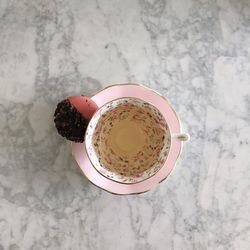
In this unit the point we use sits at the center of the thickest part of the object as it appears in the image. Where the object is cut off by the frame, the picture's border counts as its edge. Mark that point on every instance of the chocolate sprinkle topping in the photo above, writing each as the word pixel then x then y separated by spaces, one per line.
pixel 69 121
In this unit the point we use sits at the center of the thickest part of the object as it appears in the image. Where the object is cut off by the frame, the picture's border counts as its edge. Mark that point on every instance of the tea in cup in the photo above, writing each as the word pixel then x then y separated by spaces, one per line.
pixel 128 140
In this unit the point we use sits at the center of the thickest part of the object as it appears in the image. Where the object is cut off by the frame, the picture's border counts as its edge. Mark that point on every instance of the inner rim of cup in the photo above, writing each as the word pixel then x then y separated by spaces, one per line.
pixel 97 150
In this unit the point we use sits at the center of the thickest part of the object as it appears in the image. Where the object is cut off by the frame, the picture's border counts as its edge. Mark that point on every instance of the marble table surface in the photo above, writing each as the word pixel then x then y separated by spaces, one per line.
pixel 195 52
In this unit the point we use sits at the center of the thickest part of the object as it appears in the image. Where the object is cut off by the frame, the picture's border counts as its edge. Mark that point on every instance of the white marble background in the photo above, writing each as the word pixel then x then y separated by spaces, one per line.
pixel 195 52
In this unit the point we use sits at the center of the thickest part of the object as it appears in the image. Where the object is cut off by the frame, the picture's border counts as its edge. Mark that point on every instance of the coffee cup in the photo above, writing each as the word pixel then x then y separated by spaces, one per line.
pixel 128 140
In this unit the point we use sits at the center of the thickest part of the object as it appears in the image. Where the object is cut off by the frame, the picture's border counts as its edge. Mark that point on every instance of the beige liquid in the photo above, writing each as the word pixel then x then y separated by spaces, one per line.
pixel 126 138
pixel 129 141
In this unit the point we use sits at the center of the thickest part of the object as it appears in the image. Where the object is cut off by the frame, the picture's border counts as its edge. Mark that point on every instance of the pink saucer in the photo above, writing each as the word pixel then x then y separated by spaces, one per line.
pixel 132 90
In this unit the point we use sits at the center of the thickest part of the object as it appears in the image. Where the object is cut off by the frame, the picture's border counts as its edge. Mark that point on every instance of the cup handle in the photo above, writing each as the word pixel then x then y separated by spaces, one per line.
pixel 182 137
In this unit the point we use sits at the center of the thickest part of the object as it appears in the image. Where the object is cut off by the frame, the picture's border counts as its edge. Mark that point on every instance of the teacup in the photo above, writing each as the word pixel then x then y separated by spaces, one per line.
pixel 124 179
pixel 128 140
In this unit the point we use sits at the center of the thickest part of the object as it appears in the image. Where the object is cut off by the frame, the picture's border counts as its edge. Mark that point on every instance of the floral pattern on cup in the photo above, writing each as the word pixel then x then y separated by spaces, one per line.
pixel 150 155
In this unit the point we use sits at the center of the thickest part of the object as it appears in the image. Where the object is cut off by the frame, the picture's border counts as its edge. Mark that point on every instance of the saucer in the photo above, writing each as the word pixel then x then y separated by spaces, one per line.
pixel 111 93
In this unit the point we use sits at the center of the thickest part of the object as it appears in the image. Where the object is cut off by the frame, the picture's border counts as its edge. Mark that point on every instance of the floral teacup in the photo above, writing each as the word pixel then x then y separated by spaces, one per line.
pixel 128 140
pixel 124 126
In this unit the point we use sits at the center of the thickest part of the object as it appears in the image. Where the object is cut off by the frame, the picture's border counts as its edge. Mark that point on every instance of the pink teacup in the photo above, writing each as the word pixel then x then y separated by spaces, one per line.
pixel 132 141
pixel 128 140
